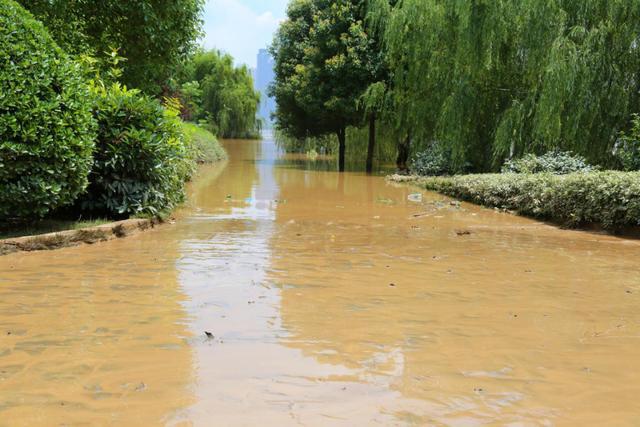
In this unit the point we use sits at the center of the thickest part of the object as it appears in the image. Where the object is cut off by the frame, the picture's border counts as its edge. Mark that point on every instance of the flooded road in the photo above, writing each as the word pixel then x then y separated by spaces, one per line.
pixel 332 300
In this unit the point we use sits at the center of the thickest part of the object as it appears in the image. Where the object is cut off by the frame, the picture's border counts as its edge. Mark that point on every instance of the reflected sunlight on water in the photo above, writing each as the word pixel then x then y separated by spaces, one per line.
pixel 332 299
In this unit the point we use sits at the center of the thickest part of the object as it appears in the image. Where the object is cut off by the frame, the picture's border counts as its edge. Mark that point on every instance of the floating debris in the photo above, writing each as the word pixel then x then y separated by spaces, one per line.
pixel 421 214
pixel 385 201
pixel 415 197
pixel 209 335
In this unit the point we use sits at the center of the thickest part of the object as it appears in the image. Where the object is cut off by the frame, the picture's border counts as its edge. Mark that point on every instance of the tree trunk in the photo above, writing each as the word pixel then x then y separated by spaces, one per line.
pixel 372 143
pixel 342 148
pixel 403 154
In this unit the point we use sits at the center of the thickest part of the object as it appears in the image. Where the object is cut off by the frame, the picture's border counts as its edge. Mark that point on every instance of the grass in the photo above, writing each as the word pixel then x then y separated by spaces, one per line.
pixel 205 145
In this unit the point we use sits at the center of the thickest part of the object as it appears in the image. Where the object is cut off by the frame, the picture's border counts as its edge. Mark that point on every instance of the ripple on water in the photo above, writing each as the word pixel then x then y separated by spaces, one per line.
pixel 333 300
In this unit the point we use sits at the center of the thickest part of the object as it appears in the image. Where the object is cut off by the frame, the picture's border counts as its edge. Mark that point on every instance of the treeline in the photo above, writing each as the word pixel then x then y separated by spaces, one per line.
pixel 156 43
pixel 328 72
pixel 154 36
pixel 476 82
pixel 91 100
pixel 220 95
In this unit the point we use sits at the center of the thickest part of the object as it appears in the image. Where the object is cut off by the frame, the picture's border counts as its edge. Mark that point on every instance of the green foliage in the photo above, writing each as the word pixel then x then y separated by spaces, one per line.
pixel 191 97
pixel 325 144
pixel 627 148
pixel 496 79
pixel 204 145
pixel 289 50
pixel 222 94
pixel 46 129
pixel 610 199
pixel 141 159
pixel 328 144
pixel 555 162
pixel 328 69
pixel 435 160
pixel 154 35
pixel 373 99
pixel 385 150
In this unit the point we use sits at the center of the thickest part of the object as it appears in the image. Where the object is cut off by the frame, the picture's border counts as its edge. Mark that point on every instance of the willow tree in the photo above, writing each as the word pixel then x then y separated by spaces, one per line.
pixel 492 79
pixel 324 63
pixel 225 96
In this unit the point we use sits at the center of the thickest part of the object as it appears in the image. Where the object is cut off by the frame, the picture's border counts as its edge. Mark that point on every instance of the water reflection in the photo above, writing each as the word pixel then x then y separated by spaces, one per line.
pixel 332 299
pixel 323 163
pixel 339 301
pixel 471 316
pixel 245 375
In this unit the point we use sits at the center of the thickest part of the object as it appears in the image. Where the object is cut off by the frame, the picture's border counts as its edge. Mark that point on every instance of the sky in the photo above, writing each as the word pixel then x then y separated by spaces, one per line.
pixel 241 27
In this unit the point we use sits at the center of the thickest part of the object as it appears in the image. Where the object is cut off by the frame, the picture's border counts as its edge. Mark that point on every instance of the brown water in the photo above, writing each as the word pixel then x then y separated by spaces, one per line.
pixel 334 300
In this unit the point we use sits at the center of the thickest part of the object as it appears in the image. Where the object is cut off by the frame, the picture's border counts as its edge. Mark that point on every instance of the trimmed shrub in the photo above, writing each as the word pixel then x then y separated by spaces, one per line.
pixel 204 146
pixel 141 158
pixel 434 161
pixel 46 128
pixel 555 162
pixel 610 199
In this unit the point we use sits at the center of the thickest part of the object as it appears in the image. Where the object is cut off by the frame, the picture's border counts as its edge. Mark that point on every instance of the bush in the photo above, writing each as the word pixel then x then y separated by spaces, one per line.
pixel 141 159
pixel 610 199
pixel 627 148
pixel 46 129
pixel 203 144
pixel 434 161
pixel 555 162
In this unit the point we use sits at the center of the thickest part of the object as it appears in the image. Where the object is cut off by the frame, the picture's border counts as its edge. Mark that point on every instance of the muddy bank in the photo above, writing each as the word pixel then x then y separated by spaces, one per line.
pixel 63 239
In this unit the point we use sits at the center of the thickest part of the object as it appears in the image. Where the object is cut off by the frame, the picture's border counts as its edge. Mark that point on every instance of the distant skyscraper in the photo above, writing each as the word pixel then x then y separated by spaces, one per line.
pixel 264 76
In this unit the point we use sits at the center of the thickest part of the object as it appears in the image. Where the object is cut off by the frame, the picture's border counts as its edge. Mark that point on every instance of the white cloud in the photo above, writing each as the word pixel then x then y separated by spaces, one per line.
pixel 234 27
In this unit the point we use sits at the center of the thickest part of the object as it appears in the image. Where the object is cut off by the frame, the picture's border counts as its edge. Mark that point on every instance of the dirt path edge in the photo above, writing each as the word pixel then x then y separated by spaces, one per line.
pixel 83 236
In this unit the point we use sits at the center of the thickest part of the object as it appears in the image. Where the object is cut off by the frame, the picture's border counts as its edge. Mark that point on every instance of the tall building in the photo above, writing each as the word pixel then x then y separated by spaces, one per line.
pixel 264 76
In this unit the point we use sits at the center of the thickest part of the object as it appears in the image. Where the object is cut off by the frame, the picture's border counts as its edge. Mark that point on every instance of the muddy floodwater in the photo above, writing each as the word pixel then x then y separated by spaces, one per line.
pixel 331 300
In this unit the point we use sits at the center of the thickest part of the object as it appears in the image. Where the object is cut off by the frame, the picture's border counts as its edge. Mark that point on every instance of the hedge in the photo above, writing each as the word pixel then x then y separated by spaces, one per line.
pixel 46 128
pixel 608 199
pixel 555 161
pixel 141 160
pixel 204 145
